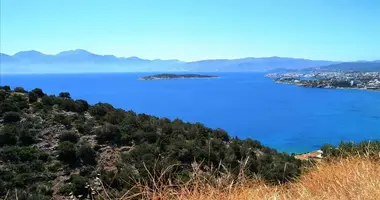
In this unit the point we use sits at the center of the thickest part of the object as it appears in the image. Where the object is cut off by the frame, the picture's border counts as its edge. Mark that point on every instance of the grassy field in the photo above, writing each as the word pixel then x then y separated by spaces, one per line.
pixel 341 179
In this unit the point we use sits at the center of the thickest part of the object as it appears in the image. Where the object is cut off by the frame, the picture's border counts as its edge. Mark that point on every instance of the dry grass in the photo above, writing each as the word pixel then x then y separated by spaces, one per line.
pixel 349 178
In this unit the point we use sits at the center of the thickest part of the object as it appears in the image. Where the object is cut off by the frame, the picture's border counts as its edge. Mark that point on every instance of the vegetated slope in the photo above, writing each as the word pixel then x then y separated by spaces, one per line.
pixel 54 146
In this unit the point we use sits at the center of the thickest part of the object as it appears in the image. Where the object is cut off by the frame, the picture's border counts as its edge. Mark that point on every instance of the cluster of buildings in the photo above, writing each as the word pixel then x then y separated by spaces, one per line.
pixel 362 80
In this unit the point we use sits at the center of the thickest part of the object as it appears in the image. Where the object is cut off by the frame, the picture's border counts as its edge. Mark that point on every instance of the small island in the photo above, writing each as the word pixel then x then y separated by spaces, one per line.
pixel 176 76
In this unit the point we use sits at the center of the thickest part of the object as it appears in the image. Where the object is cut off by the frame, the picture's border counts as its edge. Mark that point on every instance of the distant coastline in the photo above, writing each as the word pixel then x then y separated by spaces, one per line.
pixel 176 76
pixel 333 80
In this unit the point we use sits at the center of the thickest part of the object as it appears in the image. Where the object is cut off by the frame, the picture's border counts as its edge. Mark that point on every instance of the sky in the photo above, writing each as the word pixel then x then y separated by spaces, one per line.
pixel 340 30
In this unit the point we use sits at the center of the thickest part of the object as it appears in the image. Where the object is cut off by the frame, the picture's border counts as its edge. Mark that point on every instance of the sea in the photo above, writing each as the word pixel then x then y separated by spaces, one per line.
pixel 247 105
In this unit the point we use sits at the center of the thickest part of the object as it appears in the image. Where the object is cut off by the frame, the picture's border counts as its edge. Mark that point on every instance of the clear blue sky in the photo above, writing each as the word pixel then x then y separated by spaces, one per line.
pixel 343 30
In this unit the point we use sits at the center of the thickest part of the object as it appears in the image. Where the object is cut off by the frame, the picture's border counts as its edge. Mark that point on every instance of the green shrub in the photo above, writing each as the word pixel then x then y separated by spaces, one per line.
pixel 63 119
pixel 221 134
pixel 26 137
pixel 100 109
pixel 68 105
pixel 38 92
pixel 67 152
pixel 69 136
pixel 33 97
pixel 20 100
pixel 281 168
pixel 345 149
pixel 115 116
pixel 37 106
pixel 77 186
pixel 108 133
pixel 8 106
pixel 81 105
pixel 3 95
pixel 11 117
pixel 8 135
pixel 65 95
pixel 48 100
pixel 87 154
pixel 6 88
pixel 16 154
pixel 19 89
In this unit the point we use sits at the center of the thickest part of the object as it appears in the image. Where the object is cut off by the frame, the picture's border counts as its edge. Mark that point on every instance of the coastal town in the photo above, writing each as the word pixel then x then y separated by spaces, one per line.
pixel 357 80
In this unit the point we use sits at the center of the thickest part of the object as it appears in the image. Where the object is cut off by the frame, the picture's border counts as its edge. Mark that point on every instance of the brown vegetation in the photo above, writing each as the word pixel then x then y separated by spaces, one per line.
pixel 345 178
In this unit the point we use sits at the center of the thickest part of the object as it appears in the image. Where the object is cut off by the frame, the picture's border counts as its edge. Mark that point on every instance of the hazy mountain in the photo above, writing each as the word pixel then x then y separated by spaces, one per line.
pixel 254 64
pixel 78 61
pixel 75 61
pixel 6 58
pixel 354 66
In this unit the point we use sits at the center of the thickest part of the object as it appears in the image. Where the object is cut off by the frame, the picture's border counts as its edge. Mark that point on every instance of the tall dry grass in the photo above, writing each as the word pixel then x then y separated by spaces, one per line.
pixel 345 178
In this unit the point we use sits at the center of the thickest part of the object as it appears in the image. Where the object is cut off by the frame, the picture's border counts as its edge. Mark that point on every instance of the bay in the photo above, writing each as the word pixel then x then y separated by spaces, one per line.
pixel 247 105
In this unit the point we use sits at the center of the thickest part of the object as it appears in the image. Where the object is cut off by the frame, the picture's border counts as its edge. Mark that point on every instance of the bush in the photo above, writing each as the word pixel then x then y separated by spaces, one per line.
pixel 26 137
pixel 81 105
pixel 345 149
pixel 20 100
pixel 69 136
pixel 68 105
pixel 115 116
pixel 87 154
pixel 67 152
pixel 108 133
pixel 100 109
pixel 8 106
pixel 63 119
pixel 11 117
pixel 282 168
pixel 38 92
pixel 19 89
pixel 3 95
pixel 33 97
pixel 17 154
pixel 48 100
pixel 37 106
pixel 6 88
pixel 65 95
pixel 8 135
pixel 77 186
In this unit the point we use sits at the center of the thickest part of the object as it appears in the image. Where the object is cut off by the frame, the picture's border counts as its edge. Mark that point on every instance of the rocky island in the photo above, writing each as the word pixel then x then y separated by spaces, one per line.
pixel 175 76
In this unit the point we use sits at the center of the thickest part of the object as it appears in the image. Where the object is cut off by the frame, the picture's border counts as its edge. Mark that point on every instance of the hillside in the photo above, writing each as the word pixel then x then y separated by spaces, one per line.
pixel 54 146
pixel 76 61
pixel 354 66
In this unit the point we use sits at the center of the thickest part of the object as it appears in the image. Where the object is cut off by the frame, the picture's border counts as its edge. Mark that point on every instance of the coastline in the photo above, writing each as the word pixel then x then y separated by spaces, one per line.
pixel 325 87
pixel 313 155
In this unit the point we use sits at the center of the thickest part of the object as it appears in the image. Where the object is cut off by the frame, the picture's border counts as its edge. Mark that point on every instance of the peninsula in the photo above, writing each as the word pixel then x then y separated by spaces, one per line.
pixel 175 76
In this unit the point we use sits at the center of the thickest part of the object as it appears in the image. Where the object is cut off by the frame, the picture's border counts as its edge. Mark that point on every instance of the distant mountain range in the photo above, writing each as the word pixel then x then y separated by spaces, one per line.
pixel 354 66
pixel 79 61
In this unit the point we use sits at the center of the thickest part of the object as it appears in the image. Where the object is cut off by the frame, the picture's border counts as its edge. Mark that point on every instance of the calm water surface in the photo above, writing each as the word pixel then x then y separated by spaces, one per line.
pixel 247 105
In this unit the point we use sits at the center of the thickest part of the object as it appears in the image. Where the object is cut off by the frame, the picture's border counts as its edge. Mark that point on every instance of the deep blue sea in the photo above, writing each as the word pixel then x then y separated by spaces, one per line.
pixel 247 105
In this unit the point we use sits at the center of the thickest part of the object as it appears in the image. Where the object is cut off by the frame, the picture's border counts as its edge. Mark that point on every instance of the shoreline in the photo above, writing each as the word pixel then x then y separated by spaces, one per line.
pixel 325 87
pixel 312 155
